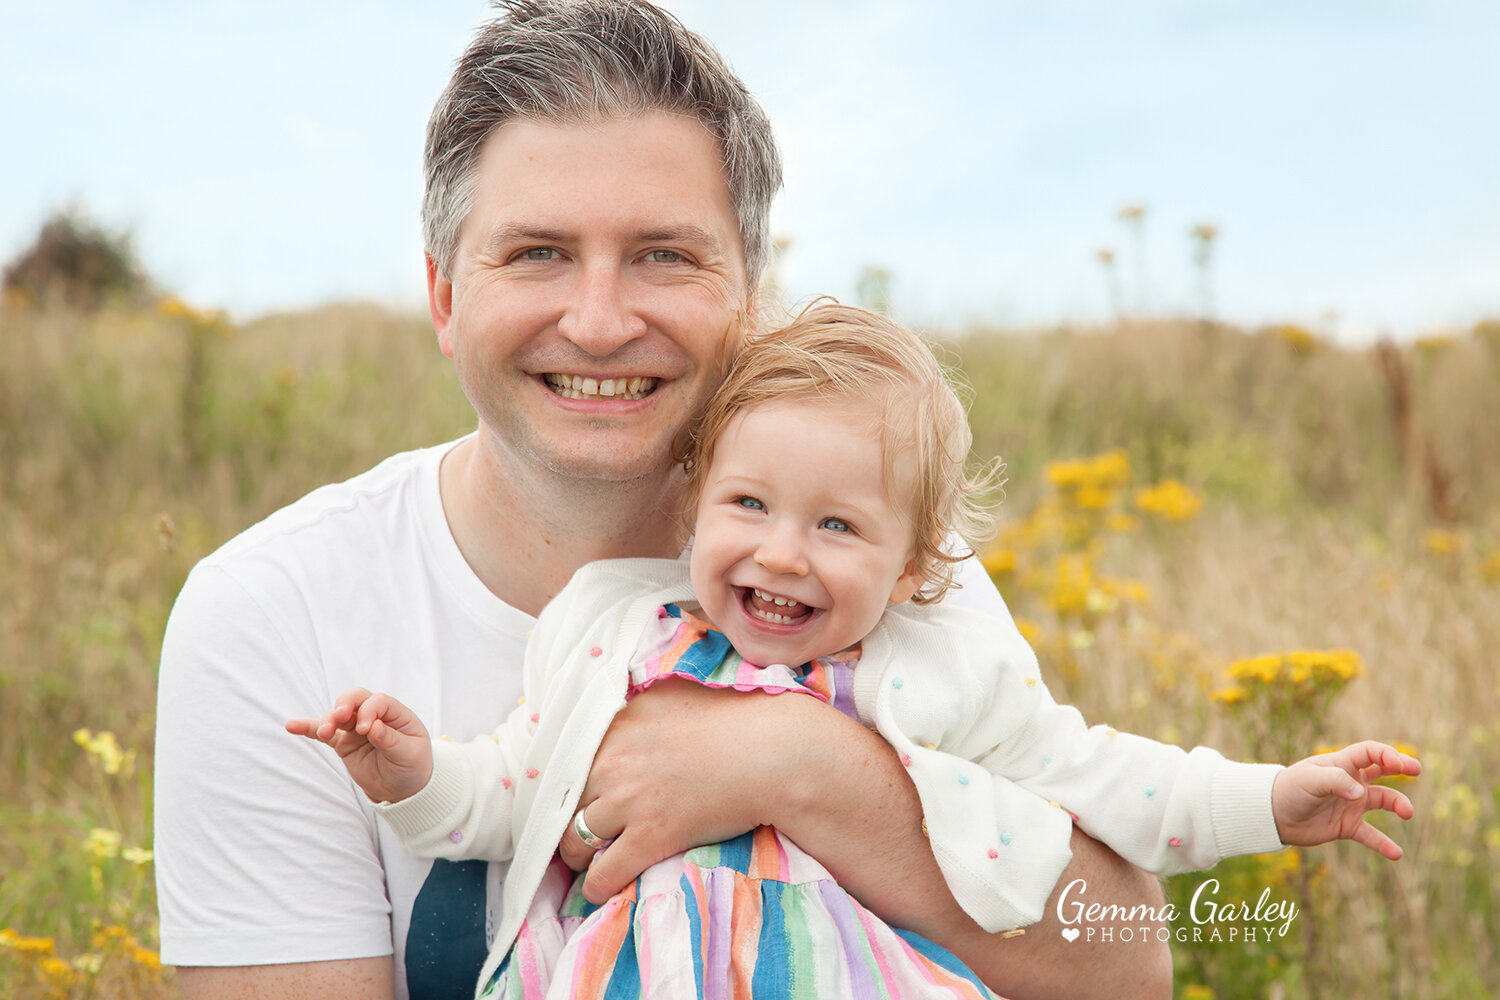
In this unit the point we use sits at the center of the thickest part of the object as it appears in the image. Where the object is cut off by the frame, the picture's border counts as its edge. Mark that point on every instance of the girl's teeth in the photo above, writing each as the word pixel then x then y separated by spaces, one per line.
pixel 785 602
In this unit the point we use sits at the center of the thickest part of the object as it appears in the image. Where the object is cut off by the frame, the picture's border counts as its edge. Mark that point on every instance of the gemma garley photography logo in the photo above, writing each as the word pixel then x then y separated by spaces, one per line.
pixel 1208 917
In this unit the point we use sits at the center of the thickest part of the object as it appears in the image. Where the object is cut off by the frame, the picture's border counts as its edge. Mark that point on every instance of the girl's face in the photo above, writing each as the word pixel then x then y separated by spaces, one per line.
pixel 797 549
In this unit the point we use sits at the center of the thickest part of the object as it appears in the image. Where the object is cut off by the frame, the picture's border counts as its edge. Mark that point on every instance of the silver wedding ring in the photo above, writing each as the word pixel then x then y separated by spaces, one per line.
pixel 589 837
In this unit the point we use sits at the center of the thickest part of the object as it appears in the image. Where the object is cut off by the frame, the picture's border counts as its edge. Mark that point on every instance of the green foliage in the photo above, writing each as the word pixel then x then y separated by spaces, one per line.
pixel 76 263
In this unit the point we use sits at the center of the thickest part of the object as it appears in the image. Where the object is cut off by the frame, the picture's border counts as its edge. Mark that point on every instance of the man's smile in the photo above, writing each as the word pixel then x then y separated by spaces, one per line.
pixel 589 387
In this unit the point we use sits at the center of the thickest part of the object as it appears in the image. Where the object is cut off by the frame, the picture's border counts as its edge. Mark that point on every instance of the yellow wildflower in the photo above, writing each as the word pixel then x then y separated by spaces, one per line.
pixel 1197 991
pixel 105 751
pixel 1121 523
pixel 1441 541
pixel 102 843
pixel 1299 339
pixel 1030 630
pixel 1170 500
pixel 137 855
pixel 1229 695
pixel 1260 669
pixel 56 973
pixel 32 945
pixel 107 935
pixel 145 957
pixel 998 562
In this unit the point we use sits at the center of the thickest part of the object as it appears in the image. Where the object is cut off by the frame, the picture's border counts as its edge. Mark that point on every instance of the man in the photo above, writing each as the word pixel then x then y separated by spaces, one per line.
pixel 598 187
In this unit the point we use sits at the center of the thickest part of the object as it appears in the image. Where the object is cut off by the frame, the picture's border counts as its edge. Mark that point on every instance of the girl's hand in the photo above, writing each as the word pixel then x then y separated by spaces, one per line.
pixel 1325 797
pixel 381 741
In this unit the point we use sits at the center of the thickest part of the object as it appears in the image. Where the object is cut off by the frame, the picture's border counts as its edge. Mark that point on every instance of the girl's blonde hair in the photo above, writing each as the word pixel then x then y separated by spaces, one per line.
pixel 841 354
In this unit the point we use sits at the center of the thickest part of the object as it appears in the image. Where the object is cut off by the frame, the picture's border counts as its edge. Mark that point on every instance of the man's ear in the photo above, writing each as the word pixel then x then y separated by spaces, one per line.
pixel 440 305
pixel 907 583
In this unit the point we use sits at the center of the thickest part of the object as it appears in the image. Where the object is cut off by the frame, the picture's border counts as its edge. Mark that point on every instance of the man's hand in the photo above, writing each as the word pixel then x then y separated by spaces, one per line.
pixel 381 741
pixel 682 765
pixel 1325 797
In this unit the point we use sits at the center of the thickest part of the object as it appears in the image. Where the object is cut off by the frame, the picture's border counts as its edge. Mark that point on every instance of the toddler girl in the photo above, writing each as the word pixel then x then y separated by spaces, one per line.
pixel 829 481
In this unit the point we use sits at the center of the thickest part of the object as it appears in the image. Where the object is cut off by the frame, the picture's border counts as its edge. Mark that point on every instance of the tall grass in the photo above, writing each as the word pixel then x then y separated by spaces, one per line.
pixel 133 443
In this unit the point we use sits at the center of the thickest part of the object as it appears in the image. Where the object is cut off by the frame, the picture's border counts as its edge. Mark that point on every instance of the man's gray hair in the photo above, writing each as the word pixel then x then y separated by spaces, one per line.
pixel 586 61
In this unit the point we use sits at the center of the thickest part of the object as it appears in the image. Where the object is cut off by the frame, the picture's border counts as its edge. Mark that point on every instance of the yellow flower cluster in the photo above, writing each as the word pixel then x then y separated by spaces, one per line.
pixel 59 974
pixel 1298 338
pixel 1306 670
pixel 22 945
pixel 1441 541
pixel 1169 500
pixel 1095 476
pixel 105 752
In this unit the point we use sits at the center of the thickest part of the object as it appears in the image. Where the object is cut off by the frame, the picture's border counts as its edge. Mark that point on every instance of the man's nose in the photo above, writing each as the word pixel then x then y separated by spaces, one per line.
pixel 781 551
pixel 600 317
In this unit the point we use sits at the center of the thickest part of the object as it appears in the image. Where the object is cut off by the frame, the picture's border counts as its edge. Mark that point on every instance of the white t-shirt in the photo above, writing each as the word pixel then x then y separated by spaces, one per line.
pixel 266 852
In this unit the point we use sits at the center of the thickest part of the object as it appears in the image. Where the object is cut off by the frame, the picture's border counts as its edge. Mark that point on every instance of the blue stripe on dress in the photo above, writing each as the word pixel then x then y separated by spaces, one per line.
pixel 940 956
pixel 772 978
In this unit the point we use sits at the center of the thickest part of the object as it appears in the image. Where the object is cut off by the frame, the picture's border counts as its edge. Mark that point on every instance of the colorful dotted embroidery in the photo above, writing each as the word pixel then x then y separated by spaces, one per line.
pixel 1005 837
pixel 1175 842
pixel 930 746
pixel 505 783
pixel 963 779
pixel 536 716
pixel 456 837
pixel 596 651
pixel 1111 732
pixel 906 760
pixel 1047 760
pixel 1031 682
pixel 993 854
pixel 896 683
pixel 1150 791
pixel 532 772
pixel 521 700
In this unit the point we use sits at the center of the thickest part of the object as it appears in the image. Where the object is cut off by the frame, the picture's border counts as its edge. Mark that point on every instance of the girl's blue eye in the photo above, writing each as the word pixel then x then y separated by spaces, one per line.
pixel 836 524
pixel 750 503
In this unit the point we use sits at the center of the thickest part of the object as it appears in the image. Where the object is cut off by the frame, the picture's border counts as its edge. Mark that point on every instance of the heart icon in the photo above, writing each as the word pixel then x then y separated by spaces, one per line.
pixel 1071 933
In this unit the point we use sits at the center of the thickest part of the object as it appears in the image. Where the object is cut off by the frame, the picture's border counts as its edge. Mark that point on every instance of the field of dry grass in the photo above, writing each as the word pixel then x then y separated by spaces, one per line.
pixel 1325 499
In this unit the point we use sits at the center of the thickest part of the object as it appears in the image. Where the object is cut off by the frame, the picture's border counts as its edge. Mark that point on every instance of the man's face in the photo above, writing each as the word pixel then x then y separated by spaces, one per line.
pixel 598 291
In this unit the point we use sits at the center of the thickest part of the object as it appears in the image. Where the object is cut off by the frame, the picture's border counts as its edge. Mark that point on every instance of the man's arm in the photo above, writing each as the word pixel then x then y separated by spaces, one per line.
pixel 684 765
pixel 349 979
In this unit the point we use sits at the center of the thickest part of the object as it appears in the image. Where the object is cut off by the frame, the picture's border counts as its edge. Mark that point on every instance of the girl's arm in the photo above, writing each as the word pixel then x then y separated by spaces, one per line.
pixel 443 800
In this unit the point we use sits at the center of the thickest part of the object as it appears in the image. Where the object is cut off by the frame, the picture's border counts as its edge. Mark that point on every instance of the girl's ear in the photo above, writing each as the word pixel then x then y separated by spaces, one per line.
pixel 907 583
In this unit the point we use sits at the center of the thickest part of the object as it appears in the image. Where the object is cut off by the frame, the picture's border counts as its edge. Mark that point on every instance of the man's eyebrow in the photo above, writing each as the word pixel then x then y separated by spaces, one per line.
pixel 504 236
pixel 695 235
pixel 507 235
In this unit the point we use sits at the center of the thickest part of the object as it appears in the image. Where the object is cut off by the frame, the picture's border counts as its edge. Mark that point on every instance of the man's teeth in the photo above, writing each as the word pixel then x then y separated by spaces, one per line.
pixel 583 387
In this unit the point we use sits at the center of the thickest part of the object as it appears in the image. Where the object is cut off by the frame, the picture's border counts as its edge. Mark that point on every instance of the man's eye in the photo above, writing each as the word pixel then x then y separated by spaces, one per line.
pixel 836 524
pixel 538 253
pixel 750 503
pixel 664 257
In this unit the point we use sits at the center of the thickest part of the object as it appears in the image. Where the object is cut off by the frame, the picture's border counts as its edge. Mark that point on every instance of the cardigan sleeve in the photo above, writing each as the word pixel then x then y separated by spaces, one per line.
pixel 1003 770
pixel 466 808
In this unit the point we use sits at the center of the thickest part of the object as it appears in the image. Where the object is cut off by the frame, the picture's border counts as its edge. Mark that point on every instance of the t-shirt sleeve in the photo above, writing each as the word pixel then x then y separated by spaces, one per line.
pixel 247 816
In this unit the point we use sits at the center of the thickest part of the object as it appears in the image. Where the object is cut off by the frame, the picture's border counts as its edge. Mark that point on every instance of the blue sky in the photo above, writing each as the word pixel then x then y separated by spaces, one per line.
pixel 267 155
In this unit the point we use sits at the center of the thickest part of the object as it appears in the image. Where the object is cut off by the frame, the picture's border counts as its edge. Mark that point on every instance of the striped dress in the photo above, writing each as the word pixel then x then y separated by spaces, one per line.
pixel 753 917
